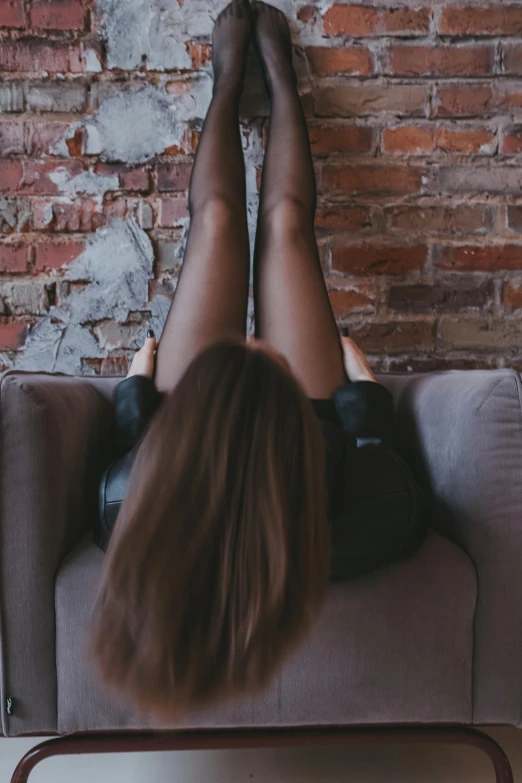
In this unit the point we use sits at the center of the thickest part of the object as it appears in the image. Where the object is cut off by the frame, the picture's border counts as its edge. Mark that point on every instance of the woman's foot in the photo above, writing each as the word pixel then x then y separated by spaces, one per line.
pixel 230 40
pixel 272 36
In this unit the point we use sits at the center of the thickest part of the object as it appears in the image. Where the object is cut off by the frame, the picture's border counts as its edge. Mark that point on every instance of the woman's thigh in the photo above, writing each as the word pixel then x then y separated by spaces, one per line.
pixel 211 298
pixel 293 310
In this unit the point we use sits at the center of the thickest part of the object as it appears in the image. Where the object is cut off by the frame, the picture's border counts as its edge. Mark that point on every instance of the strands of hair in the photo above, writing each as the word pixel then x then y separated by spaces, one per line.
pixel 219 561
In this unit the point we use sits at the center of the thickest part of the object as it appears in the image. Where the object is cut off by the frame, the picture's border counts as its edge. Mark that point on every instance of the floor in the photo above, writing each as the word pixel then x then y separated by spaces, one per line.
pixel 399 764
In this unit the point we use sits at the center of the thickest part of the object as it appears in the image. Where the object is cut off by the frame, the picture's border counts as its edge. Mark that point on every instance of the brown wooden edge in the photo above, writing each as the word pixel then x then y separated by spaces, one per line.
pixel 221 739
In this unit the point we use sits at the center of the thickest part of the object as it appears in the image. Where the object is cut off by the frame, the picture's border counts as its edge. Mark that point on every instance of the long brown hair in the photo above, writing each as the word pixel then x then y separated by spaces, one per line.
pixel 219 559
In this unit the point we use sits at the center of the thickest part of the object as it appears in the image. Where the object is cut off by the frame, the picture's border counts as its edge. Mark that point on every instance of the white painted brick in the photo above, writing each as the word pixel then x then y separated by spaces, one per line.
pixel 11 97
pixel 57 96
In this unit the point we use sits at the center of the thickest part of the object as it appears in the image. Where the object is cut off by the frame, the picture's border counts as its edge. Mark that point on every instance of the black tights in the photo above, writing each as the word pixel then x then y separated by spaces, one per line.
pixel 292 308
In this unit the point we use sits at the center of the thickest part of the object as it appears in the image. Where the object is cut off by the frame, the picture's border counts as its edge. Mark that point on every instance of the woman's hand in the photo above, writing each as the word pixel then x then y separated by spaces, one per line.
pixel 355 362
pixel 145 359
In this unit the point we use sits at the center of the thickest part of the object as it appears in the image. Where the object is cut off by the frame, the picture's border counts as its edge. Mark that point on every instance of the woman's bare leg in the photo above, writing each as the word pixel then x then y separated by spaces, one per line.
pixel 212 293
pixel 293 311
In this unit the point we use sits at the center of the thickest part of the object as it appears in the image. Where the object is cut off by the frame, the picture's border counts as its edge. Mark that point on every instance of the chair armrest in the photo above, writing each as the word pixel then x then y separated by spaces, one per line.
pixel 55 436
pixel 461 432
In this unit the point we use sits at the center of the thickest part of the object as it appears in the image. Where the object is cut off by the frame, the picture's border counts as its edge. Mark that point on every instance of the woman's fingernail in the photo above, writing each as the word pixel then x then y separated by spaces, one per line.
pixel 150 332
pixel 345 331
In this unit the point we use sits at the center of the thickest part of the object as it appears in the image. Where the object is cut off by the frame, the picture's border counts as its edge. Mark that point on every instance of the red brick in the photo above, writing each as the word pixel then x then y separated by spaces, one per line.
pixel 514 216
pixel 379 259
pixel 512 296
pixel 371 179
pixel 489 20
pixel 481 179
pixel 407 20
pixel 58 14
pixel 409 139
pixel 32 55
pixel 466 142
pixel 480 335
pixel 53 255
pixel 10 175
pixel 458 100
pixel 120 208
pixel 174 176
pixel 349 300
pixel 491 258
pixel 438 363
pixel 440 297
pixel 180 86
pixel 455 219
pixel 13 334
pixel 75 144
pixel 188 144
pixel 41 136
pixel 11 138
pixel 12 13
pixel 327 61
pixel 36 179
pixel 512 140
pixel 509 95
pixel 113 365
pixel 512 62
pixel 307 13
pixel 351 139
pixel 13 257
pixel 58 215
pixel 201 54
pixel 472 60
pixel 394 337
pixel 129 177
pixel 415 140
pixel 362 100
pixel 350 20
pixel 362 20
pixel 172 211
pixel 135 179
pixel 338 217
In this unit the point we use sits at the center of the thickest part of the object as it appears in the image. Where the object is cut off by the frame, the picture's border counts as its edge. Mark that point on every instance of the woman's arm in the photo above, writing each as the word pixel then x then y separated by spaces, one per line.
pixel 144 360
pixel 136 399
pixel 355 362
pixel 364 406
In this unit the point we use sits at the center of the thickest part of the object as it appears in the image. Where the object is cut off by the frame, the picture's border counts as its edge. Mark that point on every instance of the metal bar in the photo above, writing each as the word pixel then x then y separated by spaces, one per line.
pixel 138 741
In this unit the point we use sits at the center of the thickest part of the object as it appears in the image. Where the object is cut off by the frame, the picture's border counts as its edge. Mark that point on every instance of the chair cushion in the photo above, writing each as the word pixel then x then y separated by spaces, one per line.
pixel 394 646
pixel 461 431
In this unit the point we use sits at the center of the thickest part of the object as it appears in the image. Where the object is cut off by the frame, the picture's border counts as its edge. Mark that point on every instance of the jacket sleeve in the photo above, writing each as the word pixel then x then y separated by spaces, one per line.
pixel 365 408
pixel 383 516
pixel 136 400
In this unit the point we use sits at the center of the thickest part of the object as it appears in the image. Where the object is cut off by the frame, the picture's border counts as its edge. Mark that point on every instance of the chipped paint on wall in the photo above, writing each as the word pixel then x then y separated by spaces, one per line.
pixel 108 280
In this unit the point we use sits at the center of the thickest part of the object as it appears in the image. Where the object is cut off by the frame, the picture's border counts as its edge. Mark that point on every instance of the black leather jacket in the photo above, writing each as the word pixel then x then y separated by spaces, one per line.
pixel 377 513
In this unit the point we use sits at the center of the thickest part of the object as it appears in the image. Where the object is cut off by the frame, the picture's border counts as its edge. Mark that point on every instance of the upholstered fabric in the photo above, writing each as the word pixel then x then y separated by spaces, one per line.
pixel 463 431
pixel 52 433
pixel 393 646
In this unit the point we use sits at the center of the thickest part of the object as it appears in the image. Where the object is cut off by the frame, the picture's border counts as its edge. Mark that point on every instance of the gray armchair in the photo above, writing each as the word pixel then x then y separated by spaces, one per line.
pixel 435 639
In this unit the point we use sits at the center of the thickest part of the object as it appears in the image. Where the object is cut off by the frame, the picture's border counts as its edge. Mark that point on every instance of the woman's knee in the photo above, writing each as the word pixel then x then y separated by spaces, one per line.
pixel 288 215
pixel 214 213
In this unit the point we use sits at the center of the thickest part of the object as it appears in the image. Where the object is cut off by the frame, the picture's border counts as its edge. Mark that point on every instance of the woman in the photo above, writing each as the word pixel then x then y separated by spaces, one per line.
pixel 267 465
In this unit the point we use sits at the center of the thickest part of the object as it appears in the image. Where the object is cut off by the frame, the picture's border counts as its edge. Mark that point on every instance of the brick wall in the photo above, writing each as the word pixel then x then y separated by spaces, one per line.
pixel 413 113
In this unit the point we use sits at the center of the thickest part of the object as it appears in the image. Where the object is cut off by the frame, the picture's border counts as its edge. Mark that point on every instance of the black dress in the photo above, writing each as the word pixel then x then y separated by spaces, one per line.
pixel 376 511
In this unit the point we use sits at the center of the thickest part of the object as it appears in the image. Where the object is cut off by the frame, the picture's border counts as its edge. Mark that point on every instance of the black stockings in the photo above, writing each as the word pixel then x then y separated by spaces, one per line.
pixel 293 311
